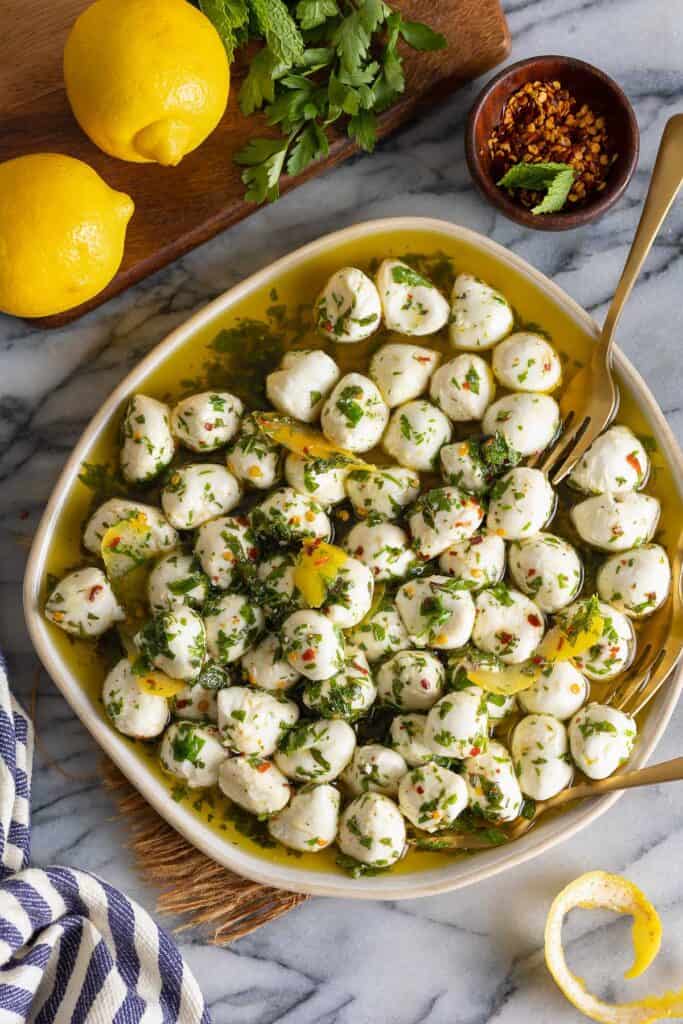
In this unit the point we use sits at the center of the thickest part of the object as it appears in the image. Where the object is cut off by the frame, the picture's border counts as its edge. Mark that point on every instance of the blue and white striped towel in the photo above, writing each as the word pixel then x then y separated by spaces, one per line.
pixel 73 948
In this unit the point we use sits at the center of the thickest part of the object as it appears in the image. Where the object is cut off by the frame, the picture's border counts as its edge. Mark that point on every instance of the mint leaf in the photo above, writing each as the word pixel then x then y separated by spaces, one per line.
pixel 422 37
pixel 313 13
pixel 363 129
pixel 557 193
pixel 280 30
pixel 264 160
pixel 311 145
pixel 555 179
pixel 230 18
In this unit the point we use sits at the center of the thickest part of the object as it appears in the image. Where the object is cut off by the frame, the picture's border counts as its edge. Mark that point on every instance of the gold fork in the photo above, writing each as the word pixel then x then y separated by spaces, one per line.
pixel 591 400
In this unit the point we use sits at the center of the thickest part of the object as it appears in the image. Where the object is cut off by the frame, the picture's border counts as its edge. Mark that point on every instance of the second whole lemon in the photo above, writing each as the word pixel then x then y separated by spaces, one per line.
pixel 147 80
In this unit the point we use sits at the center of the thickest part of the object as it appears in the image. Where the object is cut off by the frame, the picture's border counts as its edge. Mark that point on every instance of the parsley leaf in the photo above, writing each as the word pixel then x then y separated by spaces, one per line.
pixel 554 179
pixel 310 145
pixel 422 37
pixel 363 128
pixel 263 160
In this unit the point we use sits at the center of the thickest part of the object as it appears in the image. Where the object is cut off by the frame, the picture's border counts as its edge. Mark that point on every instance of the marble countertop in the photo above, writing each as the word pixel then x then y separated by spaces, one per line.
pixel 472 957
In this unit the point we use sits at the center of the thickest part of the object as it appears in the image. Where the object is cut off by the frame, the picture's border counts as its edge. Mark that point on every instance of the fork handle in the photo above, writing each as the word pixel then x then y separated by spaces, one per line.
pixel 667 771
pixel 667 177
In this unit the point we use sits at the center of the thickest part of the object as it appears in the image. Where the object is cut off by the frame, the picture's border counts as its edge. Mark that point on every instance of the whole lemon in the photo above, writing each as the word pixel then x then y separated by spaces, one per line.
pixel 148 80
pixel 62 230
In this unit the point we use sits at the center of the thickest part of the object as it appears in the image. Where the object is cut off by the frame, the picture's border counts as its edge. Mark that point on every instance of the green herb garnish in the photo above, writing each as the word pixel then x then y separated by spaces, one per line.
pixel 554 179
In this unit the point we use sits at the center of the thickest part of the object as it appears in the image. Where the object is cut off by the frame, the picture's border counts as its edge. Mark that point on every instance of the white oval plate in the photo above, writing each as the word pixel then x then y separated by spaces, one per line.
pixel 453 874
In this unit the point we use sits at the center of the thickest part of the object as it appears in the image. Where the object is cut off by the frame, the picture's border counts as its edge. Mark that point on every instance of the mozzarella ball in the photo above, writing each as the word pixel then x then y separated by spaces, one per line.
pixel 206 421
pixel 463 388
pixel 349 694
pixel 162 535
pixel 540 751
pixel 411 680
pixel 348 308
pixel 371 830
pixel 309 822
pixel 374 769
pixel 193 753
pixel 615 463
pixel 407 737
pixel 176 580
pixel 382 493
pixel 507 624
pixel 225 547
pixel 133 711
pixel 383 547
pixel 616 522
pixel 147 446
pixel 194 494
pixel 196 703
pixel 480 316
pixel 402 372
pixel 491 783
pixel 528 422
pixel 462 466
pixel 636 582
pixel 615 649
pixel 321 479
pixel 265 666
pixel 84 604
pixel 286 517
pixel 410 303
pixel 253 721
pixel 459 666
pixel 478 562
pixel 316 751
pixel 601 739
pixel 416 433
pixel 312 644
pixel 355 415
pixel 174 642
pixel 349 597
pixel 443 517
pixel 521 503
pixel 381 634
pixel 257 786
pixel 431 797
pixel 457 725
pixel 254 458
pixel 279 593
pixel 559 691
pixel 299 387
pixel 232 627
pixel 527 362
pixel 436 612
pixel 548 569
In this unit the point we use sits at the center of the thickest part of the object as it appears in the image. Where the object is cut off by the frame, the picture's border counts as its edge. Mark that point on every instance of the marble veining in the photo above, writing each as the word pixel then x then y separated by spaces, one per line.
pixel 472 957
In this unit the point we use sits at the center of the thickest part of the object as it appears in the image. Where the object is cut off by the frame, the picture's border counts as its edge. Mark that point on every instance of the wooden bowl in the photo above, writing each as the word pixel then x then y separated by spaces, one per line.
pixel 589 85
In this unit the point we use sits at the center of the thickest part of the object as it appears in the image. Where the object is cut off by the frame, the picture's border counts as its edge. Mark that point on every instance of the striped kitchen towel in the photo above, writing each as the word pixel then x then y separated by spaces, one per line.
pixel 73 948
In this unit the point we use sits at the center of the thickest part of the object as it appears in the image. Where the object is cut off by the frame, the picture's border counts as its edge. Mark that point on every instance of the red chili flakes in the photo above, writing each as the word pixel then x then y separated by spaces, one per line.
pixel 465 385
pixel 476 540
pixel 23 514
pixel 308 655
pixel 114 542
pixel 632 460
pixel 208 426
pixel 506 638
pixel 419 789
pixel 253 554
pixel 425 684
pixel 359 550
pixel 475 751
pixel 531 572
pixel 94 591
pixel 263 767
pixel 533 620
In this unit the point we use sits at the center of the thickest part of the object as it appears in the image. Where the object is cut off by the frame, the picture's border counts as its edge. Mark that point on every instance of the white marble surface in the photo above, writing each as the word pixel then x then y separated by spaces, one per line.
pixel 467 958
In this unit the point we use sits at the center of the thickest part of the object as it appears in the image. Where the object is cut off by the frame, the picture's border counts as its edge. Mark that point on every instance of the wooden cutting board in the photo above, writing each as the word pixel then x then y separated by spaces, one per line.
pixel 178 208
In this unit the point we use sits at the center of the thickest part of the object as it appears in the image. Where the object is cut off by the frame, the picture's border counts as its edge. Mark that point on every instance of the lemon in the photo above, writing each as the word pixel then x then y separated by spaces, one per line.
pixel 148 80
pixel 62 230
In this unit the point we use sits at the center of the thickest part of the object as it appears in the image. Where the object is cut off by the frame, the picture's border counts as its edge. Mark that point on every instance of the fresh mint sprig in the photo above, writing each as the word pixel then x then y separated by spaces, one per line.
pixel 555 179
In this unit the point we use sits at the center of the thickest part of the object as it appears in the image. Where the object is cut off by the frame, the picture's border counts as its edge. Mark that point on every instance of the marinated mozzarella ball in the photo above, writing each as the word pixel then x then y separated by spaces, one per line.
pixel 349 597
pixel 411 304
pixel 457 725
pixel 276 578
pixel 196 703
pixel 459 666
pixel 411 680
pixel 431 797
pixel 372 831
pixel 348 308
pixel 381 634
pixel 615 649
pixel 257 786
pixel 407 737
pixel 436 612
pixel 266 666
pixel 616 522
pixel 443 517
pixel 355 415
pixel 521 504
pixel 374 769
pixel 527 362
pixel 312 644
pixel 383 547
pixel 286 516
pixel 402 372
pixel 193 753
pixel 528 422
pixel 601 739
pixel 232 627
pixel 462 466
pixel 252 721
pixel 559 691
pixel 382 493
pixel 175 642
pixel 225 547
pixel 316 751
pixel 491 783
pixel 162 536
pixel 615 463
pixel 84 604
pixel 147 446
pixel 416 433
pixel 507 624
pixel 540 750
pixel 206 421
pixel 253 457
pixel 322 479
pixel 480 316
pixel 478 562
pixel 463 388
pixel 194 494
pixel 309 822
pixel 548 569
pixel 133 711
pixel 176 580
pixel 636 582
pixel 349 694
pixel 304 380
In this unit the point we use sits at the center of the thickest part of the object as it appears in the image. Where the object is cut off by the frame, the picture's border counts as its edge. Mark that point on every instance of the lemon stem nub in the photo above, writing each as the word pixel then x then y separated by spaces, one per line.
pixel 165 141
